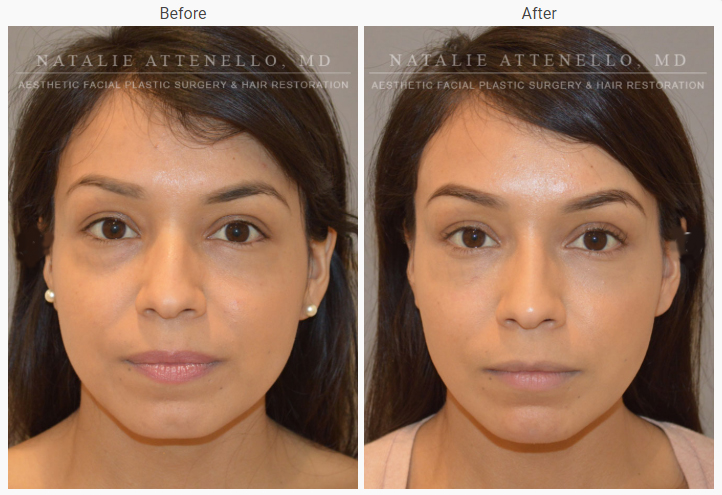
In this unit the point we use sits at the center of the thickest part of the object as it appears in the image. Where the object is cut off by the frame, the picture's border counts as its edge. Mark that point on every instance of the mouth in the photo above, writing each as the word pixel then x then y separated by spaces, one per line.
pixel 540 376
pixel 173 367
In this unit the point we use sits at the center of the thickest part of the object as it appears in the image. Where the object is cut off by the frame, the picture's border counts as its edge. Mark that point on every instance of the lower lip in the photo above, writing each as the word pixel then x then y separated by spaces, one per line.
pixel 534 380
pixel 174 372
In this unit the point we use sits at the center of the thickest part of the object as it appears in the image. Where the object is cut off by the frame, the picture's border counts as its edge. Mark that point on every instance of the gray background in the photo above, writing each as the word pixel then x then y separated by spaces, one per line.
pixel 695 108
pixel 339 43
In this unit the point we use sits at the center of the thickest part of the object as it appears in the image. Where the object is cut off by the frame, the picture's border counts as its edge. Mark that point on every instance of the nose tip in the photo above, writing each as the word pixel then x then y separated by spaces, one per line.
pixel 529 320
pixel 169 304
pixel 171 285
pixel 532 292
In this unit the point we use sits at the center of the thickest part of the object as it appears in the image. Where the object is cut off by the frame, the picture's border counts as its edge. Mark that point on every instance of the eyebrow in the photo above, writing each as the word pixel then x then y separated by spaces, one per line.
pixel 224 195
pixel 587 202
pixel 468 194
pixel 244 190
pixel 112 185
pixel 602 198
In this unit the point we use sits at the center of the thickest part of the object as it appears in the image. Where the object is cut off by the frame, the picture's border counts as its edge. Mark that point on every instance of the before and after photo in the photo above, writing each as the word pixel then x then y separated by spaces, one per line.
pixel 425 257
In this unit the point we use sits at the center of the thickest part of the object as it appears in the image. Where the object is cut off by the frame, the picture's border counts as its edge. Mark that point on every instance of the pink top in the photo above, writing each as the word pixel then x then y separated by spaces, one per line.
pixel 387 460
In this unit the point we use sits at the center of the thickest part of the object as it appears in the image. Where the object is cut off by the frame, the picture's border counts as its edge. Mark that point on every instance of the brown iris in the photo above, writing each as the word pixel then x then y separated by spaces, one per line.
pixel 595 240
pixel 113 229
pixel 473 238
pixel 238 232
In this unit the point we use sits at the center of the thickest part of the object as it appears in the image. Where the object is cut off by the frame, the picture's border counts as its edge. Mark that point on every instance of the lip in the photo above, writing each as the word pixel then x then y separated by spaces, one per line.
pixel 538 376
pixel 173 366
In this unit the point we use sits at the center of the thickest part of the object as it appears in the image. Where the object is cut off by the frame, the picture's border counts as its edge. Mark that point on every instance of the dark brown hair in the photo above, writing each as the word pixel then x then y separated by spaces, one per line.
pixel 315 395
pixel 638 128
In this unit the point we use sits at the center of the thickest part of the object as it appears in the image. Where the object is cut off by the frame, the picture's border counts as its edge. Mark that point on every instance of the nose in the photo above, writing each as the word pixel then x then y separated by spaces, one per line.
pixel 171 281
pixel 531 289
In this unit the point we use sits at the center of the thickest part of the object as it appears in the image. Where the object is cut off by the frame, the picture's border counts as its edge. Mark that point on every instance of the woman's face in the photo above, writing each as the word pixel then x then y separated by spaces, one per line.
pixel 538 268
pixel 195 251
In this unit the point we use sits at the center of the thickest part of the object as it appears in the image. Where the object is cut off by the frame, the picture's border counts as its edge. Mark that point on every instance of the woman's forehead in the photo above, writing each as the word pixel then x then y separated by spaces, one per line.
pixel 127 139
pixel 484 149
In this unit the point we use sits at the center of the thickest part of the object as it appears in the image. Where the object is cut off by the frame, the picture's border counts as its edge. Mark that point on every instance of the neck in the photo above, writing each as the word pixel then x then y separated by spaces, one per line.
pixel 103 453
pixel 606 453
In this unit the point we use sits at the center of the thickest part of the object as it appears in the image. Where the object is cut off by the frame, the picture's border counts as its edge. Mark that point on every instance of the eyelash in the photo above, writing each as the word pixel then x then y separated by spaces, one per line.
pixel 467 250
pixel 261 236
pixel 87 229
pixel 616 234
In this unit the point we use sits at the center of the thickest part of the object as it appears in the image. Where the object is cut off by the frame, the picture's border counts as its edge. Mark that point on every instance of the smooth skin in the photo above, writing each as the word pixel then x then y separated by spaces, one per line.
pixel 177 278
pixel 529 289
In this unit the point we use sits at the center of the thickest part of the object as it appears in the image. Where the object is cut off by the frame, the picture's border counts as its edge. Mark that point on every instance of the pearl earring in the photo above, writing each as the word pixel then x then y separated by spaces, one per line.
pixel 50 296
pixel 311 310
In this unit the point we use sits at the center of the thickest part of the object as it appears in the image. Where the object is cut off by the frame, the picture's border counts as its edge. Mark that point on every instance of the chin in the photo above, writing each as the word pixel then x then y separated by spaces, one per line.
pixel 533 425
pixel 174 421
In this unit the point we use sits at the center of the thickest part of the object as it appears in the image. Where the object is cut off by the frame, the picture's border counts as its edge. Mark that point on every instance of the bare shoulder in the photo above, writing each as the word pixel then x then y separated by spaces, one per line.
pixel 315 466
pixel 26 464
pixel 38 462
pixel 330 469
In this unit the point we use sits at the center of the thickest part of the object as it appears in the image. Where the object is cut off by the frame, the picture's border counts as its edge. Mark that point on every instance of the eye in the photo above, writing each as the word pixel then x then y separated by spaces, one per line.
pixel 111 229
pixel 472 238
pixel 596 240
pixel 240 232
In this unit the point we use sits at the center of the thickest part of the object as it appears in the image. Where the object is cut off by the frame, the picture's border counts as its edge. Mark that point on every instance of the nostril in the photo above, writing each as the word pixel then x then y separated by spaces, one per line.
pixel 530 323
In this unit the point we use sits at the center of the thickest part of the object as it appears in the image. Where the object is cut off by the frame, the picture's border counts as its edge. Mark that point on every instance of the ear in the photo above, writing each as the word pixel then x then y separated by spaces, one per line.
pixel 670 273
pixel 48 269
pixel 48 266
pixel 319 271
pixel 410 265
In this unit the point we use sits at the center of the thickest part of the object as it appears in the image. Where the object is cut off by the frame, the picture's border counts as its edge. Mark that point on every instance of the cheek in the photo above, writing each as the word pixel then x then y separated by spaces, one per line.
pixel 257 308
pixel 610 313
pixel 457 302
pixel 95 306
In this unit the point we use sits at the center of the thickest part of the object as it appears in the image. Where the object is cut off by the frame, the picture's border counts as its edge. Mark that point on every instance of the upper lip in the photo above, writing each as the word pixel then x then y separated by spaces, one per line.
pixel 171 357
pixel 540 366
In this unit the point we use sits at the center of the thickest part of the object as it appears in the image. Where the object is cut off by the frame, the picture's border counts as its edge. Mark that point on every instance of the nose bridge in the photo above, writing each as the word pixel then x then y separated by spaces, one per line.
pixel 171 284
pixel 532 291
